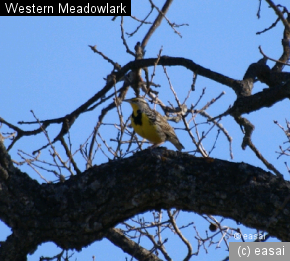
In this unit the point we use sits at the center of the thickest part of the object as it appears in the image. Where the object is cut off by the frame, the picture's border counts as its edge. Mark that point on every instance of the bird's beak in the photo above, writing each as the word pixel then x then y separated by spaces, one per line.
pixel 127 100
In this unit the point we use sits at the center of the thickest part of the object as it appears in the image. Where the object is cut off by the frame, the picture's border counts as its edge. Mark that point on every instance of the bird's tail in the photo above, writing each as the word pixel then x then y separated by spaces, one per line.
pixel 176 143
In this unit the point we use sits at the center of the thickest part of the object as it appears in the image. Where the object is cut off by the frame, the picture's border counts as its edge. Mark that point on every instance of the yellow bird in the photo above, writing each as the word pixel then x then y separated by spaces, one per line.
pixel 151 125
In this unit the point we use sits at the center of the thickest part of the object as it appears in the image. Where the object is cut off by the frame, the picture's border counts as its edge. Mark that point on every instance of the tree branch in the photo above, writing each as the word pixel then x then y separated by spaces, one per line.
pixel 80 211
pixel 116 236
pixel 157 22
pixel 265 98
pixel 237 85
pixel 279 14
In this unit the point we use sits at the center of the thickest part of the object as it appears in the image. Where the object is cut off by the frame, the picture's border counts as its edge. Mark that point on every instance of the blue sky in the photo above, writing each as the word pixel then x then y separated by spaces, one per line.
pixel 48 67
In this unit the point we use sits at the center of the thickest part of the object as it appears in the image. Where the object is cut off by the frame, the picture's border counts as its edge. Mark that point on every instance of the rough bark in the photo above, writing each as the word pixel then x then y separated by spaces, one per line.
pixel 84 208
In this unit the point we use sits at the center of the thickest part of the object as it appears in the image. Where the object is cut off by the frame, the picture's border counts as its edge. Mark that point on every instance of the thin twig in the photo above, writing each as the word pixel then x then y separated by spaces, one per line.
pixel 70 156
pixel 172 25
pixel 274 60
pixel 269 28
pixel 279 14
pixel 259 9
pixel 29 163
pixel 123 38
pixel 178 232
pixel 141 22
pixel 221 127
pixel 94 49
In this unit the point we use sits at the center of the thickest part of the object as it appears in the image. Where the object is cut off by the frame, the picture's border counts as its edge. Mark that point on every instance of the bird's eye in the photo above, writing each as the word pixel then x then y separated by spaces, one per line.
pixel 138 111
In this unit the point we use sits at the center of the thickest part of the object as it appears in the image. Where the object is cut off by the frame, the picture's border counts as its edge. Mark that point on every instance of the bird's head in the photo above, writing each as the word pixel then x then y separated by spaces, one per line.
pixel 137 103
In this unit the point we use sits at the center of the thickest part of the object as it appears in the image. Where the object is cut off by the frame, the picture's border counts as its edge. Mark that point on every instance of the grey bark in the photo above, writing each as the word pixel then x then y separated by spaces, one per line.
pixel 84 208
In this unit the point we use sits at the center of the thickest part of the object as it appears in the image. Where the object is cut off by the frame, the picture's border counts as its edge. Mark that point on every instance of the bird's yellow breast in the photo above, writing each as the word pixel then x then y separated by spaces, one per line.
pixel 144 127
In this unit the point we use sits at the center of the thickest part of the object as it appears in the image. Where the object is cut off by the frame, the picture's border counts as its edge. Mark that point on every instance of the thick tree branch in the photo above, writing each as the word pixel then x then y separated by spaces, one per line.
pixel 265 98
pixel 188 64
pixel 157 22
pixel 68 120
pixel 80 211
pixel 242 88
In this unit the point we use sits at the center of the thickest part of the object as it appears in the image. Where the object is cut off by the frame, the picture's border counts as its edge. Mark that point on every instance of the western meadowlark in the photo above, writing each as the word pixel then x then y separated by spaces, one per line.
pixel 151 125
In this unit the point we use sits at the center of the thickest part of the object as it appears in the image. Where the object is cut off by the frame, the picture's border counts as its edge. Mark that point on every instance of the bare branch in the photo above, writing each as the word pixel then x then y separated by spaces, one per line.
pixel 178 232
pixel 247 141
pixel 94 49
pixel 141 22
pixel 259 9
pixel 269 28
pixel 119 239
pixel 277 61
pixel 279 14
pixel 123 38
pixel 157 22
pixel 172 25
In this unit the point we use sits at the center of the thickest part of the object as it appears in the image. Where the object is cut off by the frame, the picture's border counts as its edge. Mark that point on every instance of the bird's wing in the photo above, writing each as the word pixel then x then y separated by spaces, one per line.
pixel 168 131
pixel 165 126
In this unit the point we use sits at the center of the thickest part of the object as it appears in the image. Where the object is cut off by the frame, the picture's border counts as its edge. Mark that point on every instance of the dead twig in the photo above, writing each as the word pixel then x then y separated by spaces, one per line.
pixel 274 60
